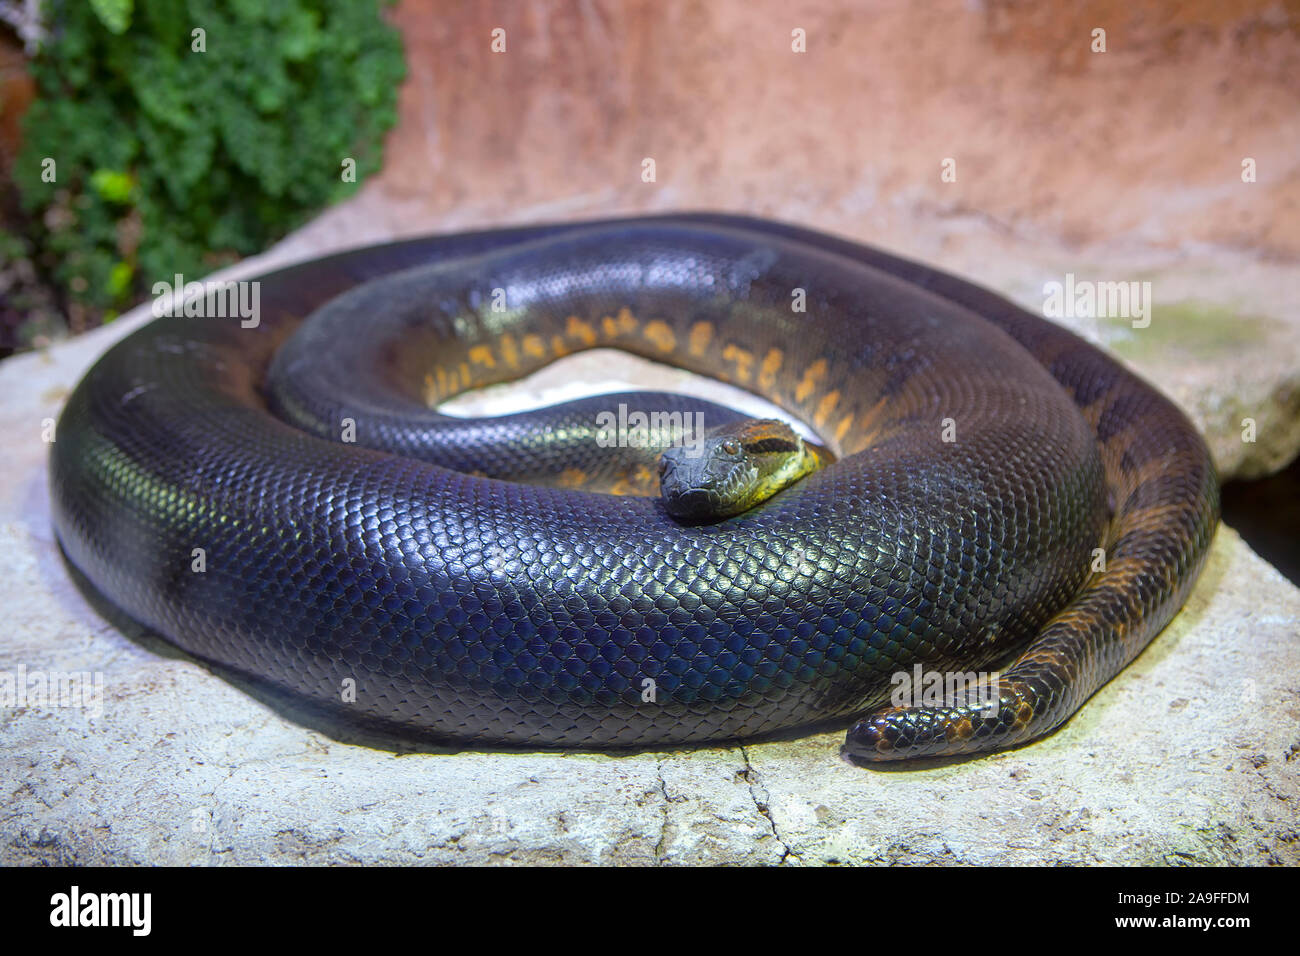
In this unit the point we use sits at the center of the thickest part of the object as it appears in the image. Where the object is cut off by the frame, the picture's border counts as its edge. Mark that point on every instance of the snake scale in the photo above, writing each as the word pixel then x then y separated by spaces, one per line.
pixel 476 581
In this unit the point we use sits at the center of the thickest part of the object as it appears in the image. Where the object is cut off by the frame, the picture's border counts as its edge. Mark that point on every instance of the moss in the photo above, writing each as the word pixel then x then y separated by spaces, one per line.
pixel 1193 329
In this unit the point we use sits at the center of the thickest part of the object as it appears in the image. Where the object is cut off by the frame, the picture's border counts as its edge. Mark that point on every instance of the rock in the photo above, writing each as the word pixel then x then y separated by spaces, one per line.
pixel 1223 340
pixel 1187 757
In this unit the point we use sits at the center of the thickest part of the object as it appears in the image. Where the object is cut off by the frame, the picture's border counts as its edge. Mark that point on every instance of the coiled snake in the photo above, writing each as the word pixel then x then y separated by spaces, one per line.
pixel 1005 496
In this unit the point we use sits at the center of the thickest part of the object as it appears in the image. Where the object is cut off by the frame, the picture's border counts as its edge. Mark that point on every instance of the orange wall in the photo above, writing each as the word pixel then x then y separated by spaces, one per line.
pixel 1144 141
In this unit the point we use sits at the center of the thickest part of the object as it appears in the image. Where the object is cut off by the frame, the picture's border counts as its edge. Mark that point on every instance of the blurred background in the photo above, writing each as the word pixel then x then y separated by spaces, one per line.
pixel 1011 142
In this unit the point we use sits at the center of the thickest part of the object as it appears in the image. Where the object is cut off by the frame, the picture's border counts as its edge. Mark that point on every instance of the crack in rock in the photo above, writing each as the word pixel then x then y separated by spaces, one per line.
pixel 661 854
pixel 762 801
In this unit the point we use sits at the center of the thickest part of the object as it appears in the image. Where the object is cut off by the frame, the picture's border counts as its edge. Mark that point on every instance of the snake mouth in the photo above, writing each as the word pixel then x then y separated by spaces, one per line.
pixel 742 465
pixel 695 504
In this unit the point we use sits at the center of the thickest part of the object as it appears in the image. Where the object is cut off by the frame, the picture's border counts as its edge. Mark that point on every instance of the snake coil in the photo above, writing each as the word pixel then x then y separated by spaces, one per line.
pixel 476 584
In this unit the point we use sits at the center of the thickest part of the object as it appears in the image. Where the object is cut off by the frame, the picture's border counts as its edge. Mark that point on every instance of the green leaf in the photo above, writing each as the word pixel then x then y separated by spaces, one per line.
pixel 114 14
pixel 119 280
pixel 301 35
pixel 112 186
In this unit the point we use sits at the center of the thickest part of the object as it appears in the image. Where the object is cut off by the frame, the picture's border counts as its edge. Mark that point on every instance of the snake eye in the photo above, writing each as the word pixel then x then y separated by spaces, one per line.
pixel 731 447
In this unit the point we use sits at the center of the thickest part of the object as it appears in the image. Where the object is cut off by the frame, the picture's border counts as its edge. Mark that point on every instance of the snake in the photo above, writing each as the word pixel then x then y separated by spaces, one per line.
pixel 955 486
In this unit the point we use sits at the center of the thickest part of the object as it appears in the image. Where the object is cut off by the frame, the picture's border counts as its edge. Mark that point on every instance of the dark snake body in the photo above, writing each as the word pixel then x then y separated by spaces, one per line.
pixel 985 454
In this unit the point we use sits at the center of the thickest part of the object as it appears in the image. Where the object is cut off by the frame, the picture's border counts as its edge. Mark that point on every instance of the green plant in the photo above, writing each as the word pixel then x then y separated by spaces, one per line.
pixel 186 133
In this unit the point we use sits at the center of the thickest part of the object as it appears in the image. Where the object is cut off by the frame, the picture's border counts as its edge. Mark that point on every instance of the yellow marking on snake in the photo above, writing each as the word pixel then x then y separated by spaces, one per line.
pixel 558 347
pixel 659 335
pixel 771 365
pixel 811 376
pixel 1024 714
pixel 509 351
pixel 825 407
pixel 639 482
pixel 1154 515
pixel 743 358
pixel 572 478
pixel 622 324
pixel 700 337
pixel 1148 471
pixel 1094 410
pixel 482 355
pixel 876 410
pixel 534 346
pixel 843 427
pixel 576 328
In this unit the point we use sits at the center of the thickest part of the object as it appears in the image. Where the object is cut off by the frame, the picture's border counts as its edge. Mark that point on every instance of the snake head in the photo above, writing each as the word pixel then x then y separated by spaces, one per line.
pixel 735 467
